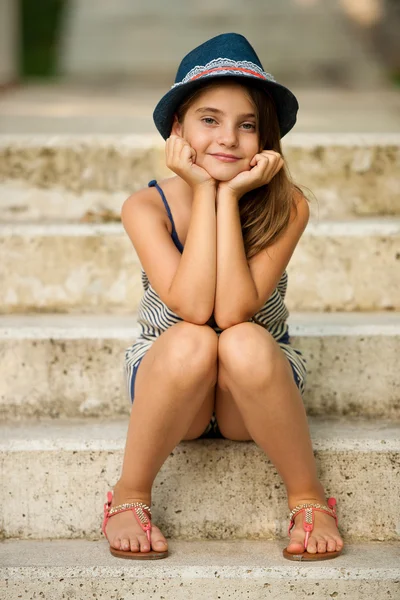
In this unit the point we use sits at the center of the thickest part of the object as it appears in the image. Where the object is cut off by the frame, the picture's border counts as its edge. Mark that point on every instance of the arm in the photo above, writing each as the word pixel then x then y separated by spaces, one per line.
pixel 244 286
pixel 193 285
pixel 235 289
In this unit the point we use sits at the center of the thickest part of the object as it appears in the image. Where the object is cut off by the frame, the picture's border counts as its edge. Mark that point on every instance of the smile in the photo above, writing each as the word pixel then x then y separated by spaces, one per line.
pixel 225 158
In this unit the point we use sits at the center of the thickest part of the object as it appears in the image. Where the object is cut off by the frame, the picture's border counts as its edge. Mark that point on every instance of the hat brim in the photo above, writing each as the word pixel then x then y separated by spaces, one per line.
pixel 285 101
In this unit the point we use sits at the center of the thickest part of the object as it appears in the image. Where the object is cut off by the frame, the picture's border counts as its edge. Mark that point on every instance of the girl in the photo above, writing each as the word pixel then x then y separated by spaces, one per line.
pixel 214 357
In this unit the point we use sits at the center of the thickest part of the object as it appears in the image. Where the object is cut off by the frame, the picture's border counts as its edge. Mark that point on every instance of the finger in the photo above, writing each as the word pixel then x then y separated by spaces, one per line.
pixel 270 153
pixel 278 166
pixel 168 150
pixel 177 147
pixel 274 161
pixel 265 163
pixel 173 146
pixel 186 153
pixel 256 158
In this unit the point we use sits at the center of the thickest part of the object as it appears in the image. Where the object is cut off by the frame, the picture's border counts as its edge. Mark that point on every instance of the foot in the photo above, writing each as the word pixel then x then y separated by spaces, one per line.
pixel 124 532
pixel 325 536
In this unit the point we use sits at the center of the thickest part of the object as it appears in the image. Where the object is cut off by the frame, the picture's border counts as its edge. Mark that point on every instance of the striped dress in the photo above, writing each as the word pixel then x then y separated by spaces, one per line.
pixel 154 317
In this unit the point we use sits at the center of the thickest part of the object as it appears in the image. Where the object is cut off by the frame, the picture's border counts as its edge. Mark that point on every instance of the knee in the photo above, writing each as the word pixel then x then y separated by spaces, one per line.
pixel 192 354
pixel 247 354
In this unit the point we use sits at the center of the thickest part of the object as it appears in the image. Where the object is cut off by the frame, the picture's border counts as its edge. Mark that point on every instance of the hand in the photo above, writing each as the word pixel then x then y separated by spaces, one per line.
pixel 181 159
pixel 264 165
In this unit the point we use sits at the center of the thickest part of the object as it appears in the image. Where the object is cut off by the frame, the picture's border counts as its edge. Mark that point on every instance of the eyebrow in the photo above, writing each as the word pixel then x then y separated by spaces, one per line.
pixel 209 109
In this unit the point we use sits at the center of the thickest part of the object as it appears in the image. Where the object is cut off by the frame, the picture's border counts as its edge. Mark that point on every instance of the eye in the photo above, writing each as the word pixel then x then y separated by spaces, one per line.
pixel 249 126
pixel 208 119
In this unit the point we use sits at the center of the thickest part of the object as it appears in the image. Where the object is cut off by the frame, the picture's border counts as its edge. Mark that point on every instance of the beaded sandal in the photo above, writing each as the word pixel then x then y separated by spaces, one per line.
pixel 308 525
pixel 142 514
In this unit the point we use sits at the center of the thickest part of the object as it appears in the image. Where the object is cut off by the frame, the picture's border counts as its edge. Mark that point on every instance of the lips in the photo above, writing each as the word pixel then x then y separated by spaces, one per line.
pixel 226 157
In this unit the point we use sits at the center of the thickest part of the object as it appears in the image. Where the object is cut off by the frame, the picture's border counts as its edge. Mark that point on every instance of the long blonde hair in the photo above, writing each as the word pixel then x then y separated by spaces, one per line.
pixel 265 211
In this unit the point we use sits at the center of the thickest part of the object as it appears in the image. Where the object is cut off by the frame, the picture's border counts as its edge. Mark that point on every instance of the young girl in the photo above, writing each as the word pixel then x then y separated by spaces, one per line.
pixel 214 357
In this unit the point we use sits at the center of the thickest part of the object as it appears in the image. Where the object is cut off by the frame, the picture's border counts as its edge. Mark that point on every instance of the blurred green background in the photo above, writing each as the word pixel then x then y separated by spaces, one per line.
pixel 41 24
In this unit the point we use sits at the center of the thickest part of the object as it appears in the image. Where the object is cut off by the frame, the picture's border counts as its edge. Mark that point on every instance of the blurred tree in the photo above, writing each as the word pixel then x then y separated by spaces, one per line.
pixel 40 28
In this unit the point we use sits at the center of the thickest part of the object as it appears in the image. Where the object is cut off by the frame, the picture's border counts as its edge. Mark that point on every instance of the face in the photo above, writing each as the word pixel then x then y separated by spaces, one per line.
pixel 221 121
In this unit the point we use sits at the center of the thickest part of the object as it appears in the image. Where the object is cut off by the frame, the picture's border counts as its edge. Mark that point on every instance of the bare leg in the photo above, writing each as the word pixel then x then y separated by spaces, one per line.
pixel 255 375
pixel 174 400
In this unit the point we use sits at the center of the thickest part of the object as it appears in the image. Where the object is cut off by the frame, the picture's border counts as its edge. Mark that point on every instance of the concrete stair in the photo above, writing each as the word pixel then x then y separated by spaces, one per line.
pixel 63 107
pixel 76 363
pixel 348 265
pixel 235 569
pixel 58 473
pixel 349 175
pixel 305 42
pixel 69 295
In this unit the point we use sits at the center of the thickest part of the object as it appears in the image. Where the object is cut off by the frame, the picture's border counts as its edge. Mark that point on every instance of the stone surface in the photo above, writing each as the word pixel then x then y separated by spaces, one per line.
pixel 72 365
pixel 21 203
pixel 303 42
pixel 343 175
pixel 66 107
pixel 197 569
pixel 56 475
pixel 344 265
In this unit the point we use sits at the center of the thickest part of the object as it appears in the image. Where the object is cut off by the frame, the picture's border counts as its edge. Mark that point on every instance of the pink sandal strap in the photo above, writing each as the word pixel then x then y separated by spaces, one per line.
pixel 141 511
pixel 309 509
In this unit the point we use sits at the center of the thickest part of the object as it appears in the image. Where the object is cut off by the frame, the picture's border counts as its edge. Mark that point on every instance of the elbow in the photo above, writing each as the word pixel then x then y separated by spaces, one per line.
pixel 197 317
pixel 224 321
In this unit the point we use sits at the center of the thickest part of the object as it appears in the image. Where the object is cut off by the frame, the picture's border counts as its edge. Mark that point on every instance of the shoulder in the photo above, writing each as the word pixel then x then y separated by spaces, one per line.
pixel 300 210
pixel 147 200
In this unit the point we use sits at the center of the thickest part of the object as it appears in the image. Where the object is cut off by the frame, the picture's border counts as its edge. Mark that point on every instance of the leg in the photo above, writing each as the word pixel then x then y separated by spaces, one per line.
pixel 174 400
pixel 255 375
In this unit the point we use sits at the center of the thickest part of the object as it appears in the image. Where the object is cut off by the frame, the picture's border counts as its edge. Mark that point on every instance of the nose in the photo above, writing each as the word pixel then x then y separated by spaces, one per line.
pixel 227 136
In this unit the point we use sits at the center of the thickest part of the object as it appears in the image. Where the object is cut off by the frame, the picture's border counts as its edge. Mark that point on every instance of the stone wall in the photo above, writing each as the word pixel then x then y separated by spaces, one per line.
pixel 298 41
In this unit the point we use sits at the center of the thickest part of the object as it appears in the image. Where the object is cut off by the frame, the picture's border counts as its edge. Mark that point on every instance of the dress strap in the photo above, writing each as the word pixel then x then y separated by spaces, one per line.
pixel 153 183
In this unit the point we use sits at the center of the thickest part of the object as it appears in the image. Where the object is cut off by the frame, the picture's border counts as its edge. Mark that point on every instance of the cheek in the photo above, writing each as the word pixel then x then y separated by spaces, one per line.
pixel 200 143
pixel 252 147
pixel 197 138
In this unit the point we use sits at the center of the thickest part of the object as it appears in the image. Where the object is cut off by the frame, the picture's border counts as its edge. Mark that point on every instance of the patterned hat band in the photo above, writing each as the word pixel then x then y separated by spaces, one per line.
pixel 221 66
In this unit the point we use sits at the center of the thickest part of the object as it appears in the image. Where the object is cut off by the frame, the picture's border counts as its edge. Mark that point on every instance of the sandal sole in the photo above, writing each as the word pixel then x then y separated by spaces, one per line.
pixel 152 555
pixel 307 557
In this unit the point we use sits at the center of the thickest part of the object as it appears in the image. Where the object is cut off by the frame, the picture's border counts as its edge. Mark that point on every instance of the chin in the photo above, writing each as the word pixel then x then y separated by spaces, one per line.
pixel 224 172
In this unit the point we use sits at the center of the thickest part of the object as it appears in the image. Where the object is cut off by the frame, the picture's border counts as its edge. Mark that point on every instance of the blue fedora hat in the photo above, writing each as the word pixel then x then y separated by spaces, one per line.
pixel 226 55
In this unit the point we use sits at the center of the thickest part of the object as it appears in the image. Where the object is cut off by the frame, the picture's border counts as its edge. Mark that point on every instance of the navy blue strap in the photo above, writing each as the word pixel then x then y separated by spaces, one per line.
pixel 153 183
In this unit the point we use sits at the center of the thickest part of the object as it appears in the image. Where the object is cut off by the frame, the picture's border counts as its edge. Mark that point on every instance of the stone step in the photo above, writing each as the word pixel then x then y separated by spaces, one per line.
pixel 79 569
pixel 343 265
pixel 343 175
pixel 77 364
pixel 57 474
pixel 65 107
pixel 322 43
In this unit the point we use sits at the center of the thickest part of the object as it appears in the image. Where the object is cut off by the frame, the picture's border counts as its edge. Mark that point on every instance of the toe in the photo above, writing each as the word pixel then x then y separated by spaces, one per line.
pixel 158 541
pixel 296 543
pixel 159 545
pixel 144 544
pixel 134 545
pixel 339 543
pixel 116 543
pixel 331 545
pixel 125 545
pixel 312 545
pixel 321 545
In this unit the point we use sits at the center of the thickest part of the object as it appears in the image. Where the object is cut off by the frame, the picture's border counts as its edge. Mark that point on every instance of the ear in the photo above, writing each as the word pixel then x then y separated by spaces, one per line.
pixel 177 128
